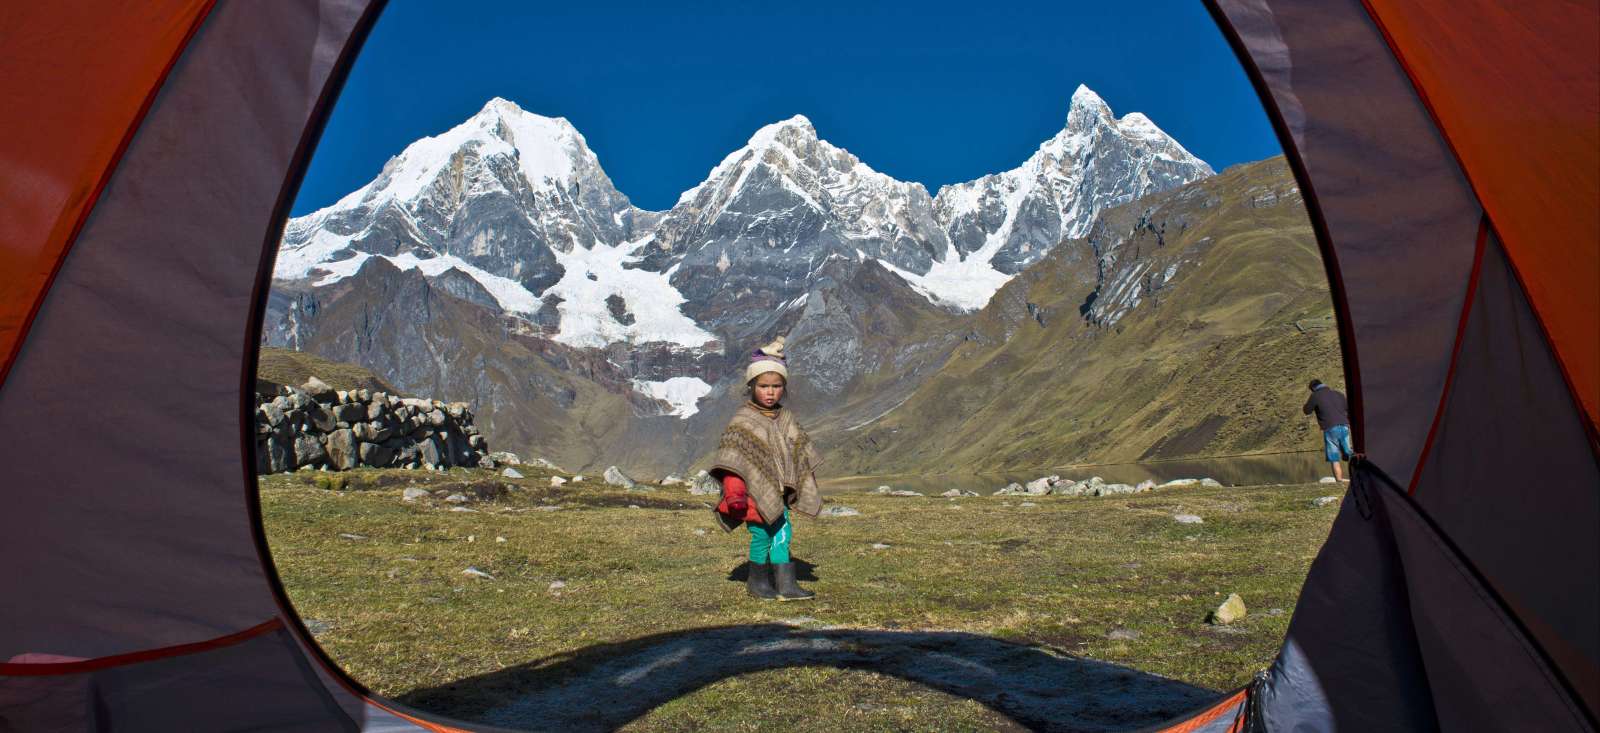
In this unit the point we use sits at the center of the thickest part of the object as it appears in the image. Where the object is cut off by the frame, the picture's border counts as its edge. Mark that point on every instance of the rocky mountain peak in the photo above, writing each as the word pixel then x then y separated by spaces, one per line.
pixel 1086 108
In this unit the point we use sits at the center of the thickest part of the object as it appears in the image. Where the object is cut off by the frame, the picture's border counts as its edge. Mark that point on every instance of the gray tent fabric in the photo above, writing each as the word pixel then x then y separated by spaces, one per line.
pixel 1530 526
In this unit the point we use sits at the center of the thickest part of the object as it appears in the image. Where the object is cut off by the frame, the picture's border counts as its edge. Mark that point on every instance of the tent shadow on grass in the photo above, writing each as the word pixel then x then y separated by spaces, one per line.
pixel 1034 686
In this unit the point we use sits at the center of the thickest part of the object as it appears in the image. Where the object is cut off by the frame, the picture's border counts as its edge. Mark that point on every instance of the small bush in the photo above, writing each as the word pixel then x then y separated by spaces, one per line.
pixel 330 482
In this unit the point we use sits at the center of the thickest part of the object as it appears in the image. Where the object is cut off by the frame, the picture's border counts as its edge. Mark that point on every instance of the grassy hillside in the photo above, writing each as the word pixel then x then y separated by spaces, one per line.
pixel 278 367
pixel 1209 363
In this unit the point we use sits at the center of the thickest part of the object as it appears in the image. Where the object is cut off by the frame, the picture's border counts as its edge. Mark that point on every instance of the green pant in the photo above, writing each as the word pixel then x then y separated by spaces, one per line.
pixel 769 543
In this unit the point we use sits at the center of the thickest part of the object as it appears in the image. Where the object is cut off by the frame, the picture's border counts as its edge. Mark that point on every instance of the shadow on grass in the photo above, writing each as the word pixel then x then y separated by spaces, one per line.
pixel 605 686
pixel 803 571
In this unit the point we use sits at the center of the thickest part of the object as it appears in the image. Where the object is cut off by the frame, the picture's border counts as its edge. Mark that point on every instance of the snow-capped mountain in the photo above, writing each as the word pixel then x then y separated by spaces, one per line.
pixel 500 196
pixel 1001 223
pixel 519 203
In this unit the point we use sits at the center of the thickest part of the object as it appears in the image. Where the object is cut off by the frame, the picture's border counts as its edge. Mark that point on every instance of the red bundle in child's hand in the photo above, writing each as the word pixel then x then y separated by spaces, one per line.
pixel 735 499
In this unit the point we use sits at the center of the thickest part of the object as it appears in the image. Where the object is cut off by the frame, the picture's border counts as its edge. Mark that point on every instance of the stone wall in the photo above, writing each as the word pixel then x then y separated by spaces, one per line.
pixel 317 426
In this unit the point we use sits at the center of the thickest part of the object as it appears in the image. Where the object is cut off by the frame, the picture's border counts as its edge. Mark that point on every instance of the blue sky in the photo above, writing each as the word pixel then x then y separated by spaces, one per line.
pixel 933 92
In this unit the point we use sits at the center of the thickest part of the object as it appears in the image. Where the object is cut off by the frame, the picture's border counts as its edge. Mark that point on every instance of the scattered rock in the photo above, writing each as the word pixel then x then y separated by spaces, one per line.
pixel 463 509
pixel 542 463
pixel 511 473
pixel 506 457
pixel 578 478
pixel 1180 483
pixel 413 493
pixel 879 546
pixel 634 506
pixel 1210 483
pixel 547 508
pixel 1042 485
pixel 1027 504
pixel 1187 519
pixel 1144 486
pixel 317 627
pixel 1122 635
pixel 476 573
pixel 557 481
pixel 486 462
pixel 704 485
pixel 1274 612
pixel 959 492
pixel 557 584
pixel 1010 489
pixel 499 539
pixel 1230 611
pixel 672 480
pixel 882 490
pixel 1325 501
pixel 700 532
pixel 615 477
pixel 905 492
pixel 352 536
pixel 457 498
pixel 839 510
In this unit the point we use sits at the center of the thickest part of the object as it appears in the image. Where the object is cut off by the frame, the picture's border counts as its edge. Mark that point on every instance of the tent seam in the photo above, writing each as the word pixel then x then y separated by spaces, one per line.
pixel 1444 134
pixel 1455 352
pixel 146 655
pixel 1498 608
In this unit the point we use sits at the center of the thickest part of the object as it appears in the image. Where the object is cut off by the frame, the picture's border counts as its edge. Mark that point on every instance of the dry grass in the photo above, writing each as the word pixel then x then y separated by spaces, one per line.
pixel 383 581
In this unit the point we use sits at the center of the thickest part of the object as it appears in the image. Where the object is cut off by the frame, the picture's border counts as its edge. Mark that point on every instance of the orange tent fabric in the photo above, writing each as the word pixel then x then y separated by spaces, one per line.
pixel 1524 120
pixel 85 82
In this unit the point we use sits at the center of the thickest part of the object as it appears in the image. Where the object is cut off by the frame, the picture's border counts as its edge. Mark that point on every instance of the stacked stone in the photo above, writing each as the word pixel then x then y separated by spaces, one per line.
pixel 317 426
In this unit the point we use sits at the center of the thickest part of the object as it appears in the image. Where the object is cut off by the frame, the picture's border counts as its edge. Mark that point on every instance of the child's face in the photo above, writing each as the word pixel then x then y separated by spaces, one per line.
pixel 768 389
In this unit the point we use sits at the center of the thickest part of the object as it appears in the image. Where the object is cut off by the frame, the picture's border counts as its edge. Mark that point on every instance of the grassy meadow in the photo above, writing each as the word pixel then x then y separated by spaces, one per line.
pixel 977 613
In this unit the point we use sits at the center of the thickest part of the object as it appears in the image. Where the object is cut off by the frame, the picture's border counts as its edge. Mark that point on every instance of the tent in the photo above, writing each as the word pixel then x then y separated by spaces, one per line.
pixel 1449 154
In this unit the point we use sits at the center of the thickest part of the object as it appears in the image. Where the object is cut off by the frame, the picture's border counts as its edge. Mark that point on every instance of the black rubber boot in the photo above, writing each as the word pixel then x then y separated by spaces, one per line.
pixel 788 590
pixel 759 581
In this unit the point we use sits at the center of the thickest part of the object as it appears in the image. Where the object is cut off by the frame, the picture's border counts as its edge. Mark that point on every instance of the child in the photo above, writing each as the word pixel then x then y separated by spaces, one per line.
pixel 765 463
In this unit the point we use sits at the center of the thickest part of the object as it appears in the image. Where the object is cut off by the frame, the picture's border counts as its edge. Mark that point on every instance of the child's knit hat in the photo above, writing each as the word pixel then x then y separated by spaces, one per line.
pixel 768 358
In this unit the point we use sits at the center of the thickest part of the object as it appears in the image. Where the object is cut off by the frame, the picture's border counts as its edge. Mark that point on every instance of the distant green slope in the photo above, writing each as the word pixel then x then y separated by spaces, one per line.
pixel 279 367
pixel 1209 363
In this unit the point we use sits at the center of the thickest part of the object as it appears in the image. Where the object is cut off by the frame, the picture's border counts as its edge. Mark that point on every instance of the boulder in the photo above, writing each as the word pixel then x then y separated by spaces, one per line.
pixel 672 480
pixel 1325 501
pixel 615 477
pixel 1114 489
pixel 1042 485
pixel 905 492
pixel 511 473
pixel 351 413
pixel 271 413
pixel 554 480
pixel 436 418
pixel 506 457
pixel 1180 483
pixel 457 498
pixel 428 452
pixel 319 390
pixel 308 451
pixel 838 511
pixel 1230 611
pixel 1010 489
pixel 413 493
pixel 1210 483
pixel 1187 519
pixel 320 419
pixel 342 452
pixel 1144 486
pixel 704 485
pixel 486 463
pixel 882 490
pixel 1122 635
pixel 341 397
pixel 279 452
pixel 1327 480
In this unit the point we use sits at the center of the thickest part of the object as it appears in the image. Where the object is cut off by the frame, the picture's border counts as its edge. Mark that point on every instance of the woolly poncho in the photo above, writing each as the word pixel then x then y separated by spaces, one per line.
pixel 775 457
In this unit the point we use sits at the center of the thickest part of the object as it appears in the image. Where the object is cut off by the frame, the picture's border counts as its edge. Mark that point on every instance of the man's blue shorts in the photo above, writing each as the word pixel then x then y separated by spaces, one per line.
pixel 1336 440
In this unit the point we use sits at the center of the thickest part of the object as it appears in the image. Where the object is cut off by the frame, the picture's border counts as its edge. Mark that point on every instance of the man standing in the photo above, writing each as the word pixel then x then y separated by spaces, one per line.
pixel 1333 416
